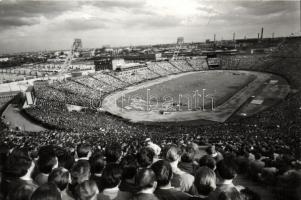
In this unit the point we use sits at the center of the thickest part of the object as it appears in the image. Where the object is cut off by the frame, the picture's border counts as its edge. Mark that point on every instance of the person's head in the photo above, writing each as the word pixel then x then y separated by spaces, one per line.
pixel 65 158
pixel 173 154
pixel 4 151
pixel 47 150
pixel 163 172
pixel 257 155
pixel 83 151
pixel 188 154
pixel 226 170
pixel 248 194
pixel 113 153
pixel 18 164
pixel 145 157
pixel 22 192
pixel 229 193
pixel 97 163
pixel 111 176
pixel 147 141
pixel 87 190
pixel 207 161
pixel 146 179
pixel 48 191
pixel 60 177
pixel 129 166
pixel 205 181
pixel 211 151
pixel 47 163
pixel 80 172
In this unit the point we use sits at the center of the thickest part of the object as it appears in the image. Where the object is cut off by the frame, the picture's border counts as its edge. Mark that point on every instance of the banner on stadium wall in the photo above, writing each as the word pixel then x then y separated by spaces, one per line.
pixel 71 107
pixel 257 101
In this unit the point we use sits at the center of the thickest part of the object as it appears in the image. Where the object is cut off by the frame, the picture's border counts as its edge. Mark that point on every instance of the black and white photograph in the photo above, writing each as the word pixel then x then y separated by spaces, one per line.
pixel 150 99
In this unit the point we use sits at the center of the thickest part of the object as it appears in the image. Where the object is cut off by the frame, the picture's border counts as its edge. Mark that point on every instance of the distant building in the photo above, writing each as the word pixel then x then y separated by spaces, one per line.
pixel 103 64
pixel 4 59
pixel 29 94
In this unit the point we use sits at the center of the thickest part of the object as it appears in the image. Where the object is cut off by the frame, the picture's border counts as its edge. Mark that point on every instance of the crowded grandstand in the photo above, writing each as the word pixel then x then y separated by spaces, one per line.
pixel 90 154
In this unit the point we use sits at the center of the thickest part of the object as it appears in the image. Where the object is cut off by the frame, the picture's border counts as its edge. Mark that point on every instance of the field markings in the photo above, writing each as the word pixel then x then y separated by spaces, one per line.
pixel 220 114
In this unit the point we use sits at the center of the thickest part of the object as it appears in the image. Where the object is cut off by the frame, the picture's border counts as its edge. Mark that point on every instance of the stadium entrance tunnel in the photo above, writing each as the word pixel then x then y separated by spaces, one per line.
pixel 213 95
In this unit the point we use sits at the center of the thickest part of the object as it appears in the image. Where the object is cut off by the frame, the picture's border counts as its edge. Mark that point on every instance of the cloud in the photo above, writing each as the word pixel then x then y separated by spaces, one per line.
pixel 24 13
pixel 119 4
pixel 153 21
pixel 78 25
pixel 128 21
pixel 8 21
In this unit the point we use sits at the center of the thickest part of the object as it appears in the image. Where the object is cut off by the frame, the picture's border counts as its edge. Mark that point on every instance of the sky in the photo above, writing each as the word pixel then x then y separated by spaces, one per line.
pixel 32 25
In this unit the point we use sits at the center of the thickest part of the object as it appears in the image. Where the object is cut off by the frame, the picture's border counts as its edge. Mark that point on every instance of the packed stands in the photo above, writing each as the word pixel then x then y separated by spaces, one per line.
pixel 96 84
pixel 110 80
pixel 157 69
pixel 264 153
pixel 168 67
pixel 198 64
pixel 265 148
pixel 182 65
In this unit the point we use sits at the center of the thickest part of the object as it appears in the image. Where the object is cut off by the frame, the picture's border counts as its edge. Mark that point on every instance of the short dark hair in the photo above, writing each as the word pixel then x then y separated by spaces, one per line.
pixel 83 150
pixel 129 166
pixel 47 191
pixel 163 171
pixel 248 194
pixel 97 163
pixel 111 175
pixel 86 190
pixel 60 177
pixel 80 171
pixel 145 178
pixel 211 150
pixel 65 158
pixel 226 169
pixel 22 192
pixel 207 161
pixel 113 152
pixel 17 163
pixel 257 155
pixel 188 154
pixel 145 157
pixel 4 151
pixel 46 163
pixel 173 153
pixel 230 193
pixel 205 180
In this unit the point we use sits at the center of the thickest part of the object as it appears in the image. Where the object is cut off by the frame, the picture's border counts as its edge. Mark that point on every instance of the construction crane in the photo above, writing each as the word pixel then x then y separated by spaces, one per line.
pixel 180 41
pixel 76 47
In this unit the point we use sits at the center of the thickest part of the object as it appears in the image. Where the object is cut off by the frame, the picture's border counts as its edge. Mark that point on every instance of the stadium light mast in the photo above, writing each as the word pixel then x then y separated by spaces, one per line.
pixel 180 42
pixel 76 47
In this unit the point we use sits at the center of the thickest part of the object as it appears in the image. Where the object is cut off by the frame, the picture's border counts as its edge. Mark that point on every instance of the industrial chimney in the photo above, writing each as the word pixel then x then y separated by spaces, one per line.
pixel 261 33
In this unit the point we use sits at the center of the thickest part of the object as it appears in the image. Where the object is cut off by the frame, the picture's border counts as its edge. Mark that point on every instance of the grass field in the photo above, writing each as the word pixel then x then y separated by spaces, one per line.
pixel 181 93
pixel 158 100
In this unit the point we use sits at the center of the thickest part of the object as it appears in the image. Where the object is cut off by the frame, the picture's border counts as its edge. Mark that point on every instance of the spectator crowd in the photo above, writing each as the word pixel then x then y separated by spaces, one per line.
pixel 91 155
pixel 141 169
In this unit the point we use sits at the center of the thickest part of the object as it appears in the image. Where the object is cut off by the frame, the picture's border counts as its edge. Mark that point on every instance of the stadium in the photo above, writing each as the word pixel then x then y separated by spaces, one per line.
pixel 215 120
pixel 255 106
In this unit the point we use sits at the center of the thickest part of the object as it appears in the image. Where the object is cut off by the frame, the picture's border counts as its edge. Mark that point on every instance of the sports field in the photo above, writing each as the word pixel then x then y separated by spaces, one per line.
pixel 180 98
pixel 187 92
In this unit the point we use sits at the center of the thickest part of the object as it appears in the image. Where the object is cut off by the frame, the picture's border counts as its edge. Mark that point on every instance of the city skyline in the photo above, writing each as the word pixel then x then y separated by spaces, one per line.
pixel 48 25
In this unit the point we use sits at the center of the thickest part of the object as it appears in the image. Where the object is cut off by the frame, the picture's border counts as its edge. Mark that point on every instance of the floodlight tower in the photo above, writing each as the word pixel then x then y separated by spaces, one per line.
pixel 76 47
pixel 180 41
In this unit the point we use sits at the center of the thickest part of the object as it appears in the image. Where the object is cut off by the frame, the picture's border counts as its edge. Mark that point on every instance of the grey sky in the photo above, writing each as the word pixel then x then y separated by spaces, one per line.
pixel 39 25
